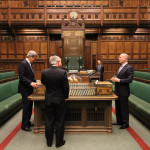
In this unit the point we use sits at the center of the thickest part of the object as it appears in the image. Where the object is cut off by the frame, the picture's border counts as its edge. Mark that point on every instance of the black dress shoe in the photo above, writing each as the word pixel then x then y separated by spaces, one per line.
pixel 116 123
pixel 31 124
pixel 58 145
pixel 49 145
pixel 124 126
pixel 26 129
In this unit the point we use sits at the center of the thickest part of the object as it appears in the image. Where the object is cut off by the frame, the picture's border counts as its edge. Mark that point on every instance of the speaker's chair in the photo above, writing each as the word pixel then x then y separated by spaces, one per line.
pixel 73 64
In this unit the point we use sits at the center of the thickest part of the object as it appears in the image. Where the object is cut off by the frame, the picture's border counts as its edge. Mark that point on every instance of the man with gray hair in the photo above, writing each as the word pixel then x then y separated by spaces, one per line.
pixel 122 80
pixel 26 84
pixel 57 90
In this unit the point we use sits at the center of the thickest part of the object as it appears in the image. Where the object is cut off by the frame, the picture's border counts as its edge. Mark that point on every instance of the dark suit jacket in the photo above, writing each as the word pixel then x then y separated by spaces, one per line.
pixel 101 70
pixel 126 77
pixel 57 87
pixel 26 76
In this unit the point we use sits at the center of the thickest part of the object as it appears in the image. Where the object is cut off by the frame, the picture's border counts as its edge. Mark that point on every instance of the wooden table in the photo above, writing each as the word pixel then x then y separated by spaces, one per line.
pixel 83 114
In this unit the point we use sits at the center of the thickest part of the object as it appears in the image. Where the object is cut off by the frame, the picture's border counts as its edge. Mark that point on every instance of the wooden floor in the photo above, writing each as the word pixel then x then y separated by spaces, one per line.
pixel 136 137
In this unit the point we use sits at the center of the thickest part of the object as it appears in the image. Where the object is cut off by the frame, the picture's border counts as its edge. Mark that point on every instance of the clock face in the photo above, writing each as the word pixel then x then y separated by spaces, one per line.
pixel 73 14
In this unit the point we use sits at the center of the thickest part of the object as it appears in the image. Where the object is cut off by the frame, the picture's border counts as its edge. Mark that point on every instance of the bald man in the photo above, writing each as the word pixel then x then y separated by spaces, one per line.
pixel 123 77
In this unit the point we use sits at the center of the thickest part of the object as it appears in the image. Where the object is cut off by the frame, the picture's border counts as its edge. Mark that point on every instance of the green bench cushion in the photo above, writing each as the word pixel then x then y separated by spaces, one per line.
pixel 10 103
pixel 142 75
pixel 6 75
pixel 5 91
pixel 140 109
pixel 14 86
pixel 140 105
pixel 140 90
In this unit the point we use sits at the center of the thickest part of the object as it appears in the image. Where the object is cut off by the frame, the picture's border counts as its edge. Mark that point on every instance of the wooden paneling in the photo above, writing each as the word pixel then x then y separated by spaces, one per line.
pixel 27 47
pixel 19 48
pixel 148 49
pixel 112 49
pixel 36 47
pixel 104 47
pixel 52 48
pixel 143 50
pixel 108 49
pixel 120 47
pixel 43 48
pixel 128 48
pixel 94 48
pixel 11 48
pixel 136 49
pixel 3 47
pixel 110 3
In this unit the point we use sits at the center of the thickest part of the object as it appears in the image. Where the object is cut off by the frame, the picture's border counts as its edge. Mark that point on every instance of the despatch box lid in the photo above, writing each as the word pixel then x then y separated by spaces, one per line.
pixel 40 90
pixel 103 84
pixel 103 88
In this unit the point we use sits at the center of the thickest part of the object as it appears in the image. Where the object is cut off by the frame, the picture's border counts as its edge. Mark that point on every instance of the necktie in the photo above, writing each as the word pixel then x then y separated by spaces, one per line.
pixel 99 67
pixel 120 68
pixel 31 67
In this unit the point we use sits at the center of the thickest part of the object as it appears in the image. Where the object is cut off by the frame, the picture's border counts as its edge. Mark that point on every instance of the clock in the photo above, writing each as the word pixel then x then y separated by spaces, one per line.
pixel 73 15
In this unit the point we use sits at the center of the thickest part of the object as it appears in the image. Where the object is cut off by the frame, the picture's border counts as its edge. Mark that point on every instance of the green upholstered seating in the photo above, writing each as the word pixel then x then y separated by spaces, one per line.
pixel 69 5
pixel 142 75
pixel 6 75
pixel 10 99
pixel 139 101
pixel 105 5
pixel 40 5
pixel 73 63
pixel 77 6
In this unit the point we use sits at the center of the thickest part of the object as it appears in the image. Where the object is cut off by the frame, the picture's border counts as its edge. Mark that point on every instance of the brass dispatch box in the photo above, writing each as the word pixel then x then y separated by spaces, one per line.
pixel 40 90
pixel 103 88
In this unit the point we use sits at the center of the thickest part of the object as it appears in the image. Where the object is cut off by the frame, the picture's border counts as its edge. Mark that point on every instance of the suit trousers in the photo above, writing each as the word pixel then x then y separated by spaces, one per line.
pixel 122 110
pixel 27 110
pixel 54 115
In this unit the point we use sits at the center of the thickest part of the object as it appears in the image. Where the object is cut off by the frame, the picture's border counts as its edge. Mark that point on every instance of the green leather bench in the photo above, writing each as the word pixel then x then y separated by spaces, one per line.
pixel 6 75
pixel 142 75
pixel 139 101
pixel 10 100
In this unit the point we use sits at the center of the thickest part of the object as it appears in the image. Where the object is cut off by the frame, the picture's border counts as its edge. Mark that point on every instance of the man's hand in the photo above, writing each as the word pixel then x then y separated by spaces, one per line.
pixel 34 85
pixel 114 79
pixel 66 99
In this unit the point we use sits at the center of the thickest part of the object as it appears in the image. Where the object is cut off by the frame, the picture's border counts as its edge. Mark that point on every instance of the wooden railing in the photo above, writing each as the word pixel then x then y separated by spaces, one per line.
pixel 92 15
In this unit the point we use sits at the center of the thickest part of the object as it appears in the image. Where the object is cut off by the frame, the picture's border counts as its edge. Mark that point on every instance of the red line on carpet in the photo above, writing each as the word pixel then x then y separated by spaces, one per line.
pixel 136 137
pixel 11 135
pixel 141 143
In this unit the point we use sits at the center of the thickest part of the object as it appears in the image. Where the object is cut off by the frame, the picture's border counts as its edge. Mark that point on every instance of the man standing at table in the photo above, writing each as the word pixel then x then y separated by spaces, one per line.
pixel 100 68
pixel 57 90
pixel 122 90
pixel 26 84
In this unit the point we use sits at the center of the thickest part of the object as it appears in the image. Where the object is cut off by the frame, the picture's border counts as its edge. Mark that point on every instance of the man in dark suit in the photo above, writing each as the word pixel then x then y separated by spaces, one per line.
pixel 100 68
pixel 122 90
pixel 57 90
pixel 26 85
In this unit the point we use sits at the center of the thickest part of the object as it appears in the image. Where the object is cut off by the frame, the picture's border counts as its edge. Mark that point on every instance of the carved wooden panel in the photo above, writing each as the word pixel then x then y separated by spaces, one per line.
pixel 136 49
pixel 128 48
pixel 112 50
pixel 3 47
pixel 52 48
pixel 43 48
pixel 11 48
pixel 73 43
pixel 119 47
pixel 36 47
pixel 27 47
pixel 148 49
pixel 94 48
